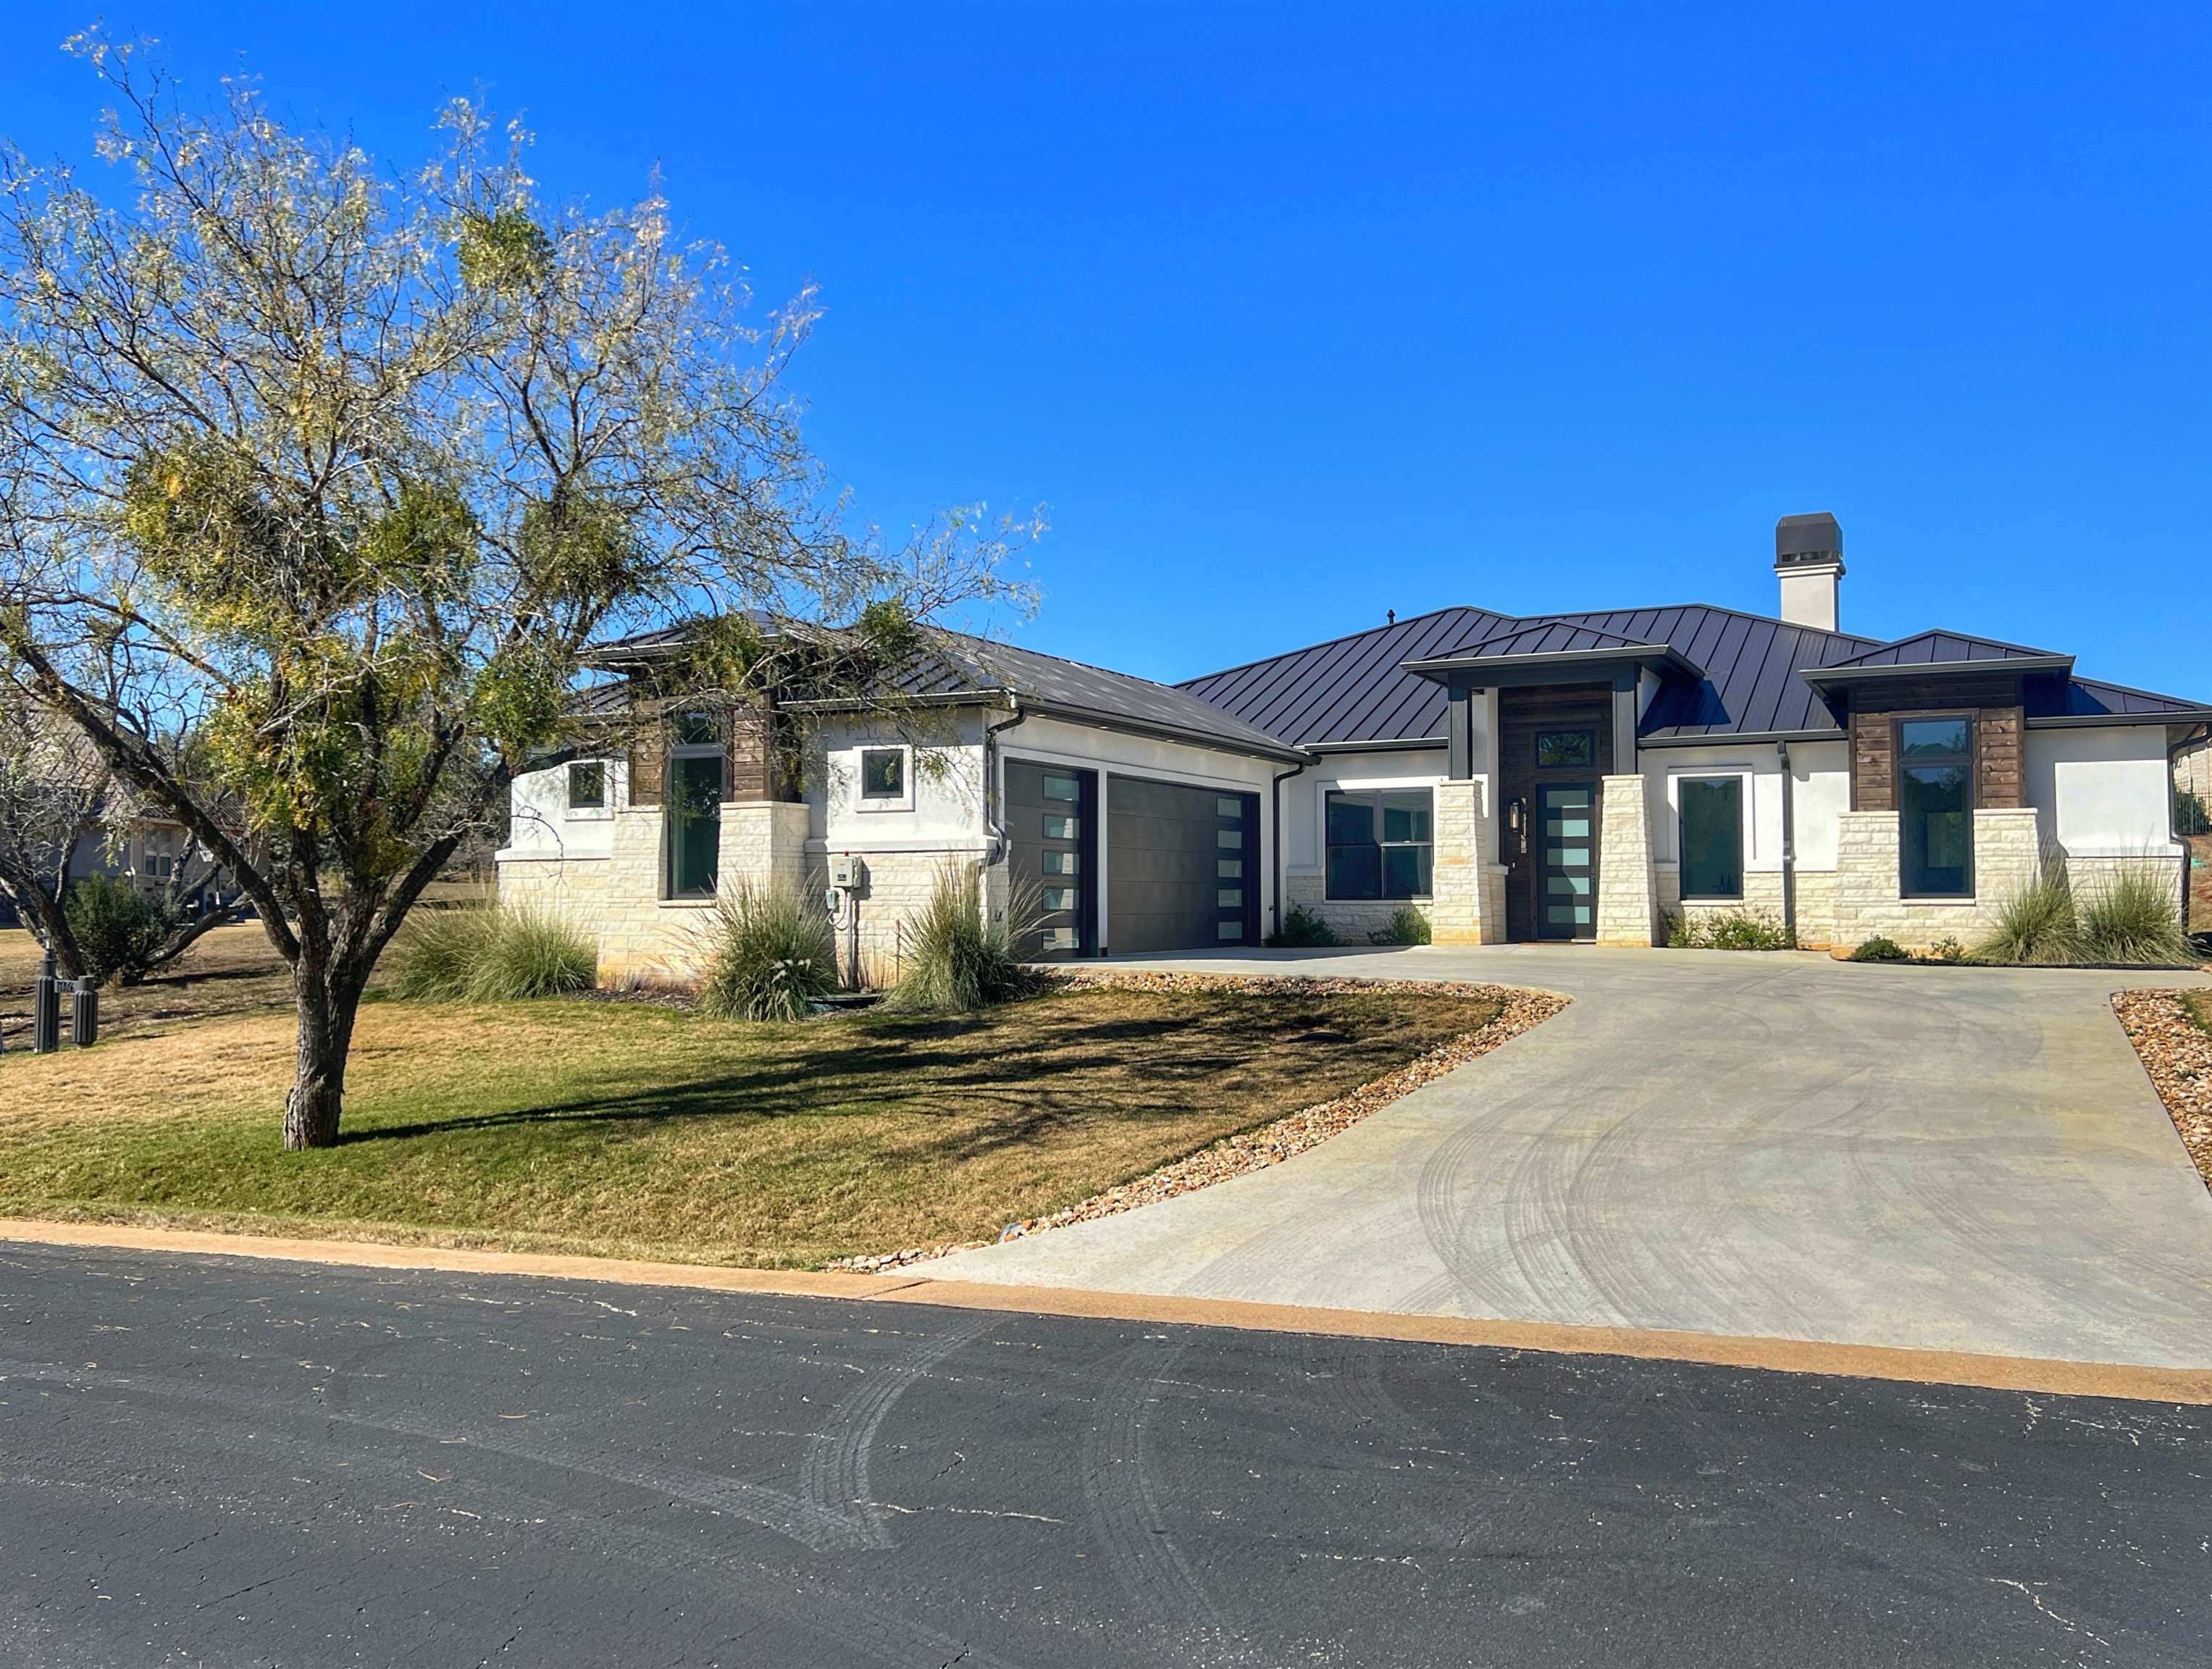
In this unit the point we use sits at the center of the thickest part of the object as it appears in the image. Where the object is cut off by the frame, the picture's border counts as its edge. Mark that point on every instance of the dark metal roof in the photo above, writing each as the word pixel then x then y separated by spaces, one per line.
pixel 1356 689
pixel 1551 636
pixel 1351 689
pixel 1936 647
pixel 957 667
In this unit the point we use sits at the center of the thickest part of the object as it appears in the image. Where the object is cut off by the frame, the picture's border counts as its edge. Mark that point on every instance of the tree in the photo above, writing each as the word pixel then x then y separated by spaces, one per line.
pixel 346 467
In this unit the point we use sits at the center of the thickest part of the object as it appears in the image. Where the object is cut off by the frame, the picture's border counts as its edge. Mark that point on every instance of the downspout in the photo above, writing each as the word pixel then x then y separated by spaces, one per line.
pixel 1789 844
pixel 993 829
pixel 2203 734
pixel 1275 798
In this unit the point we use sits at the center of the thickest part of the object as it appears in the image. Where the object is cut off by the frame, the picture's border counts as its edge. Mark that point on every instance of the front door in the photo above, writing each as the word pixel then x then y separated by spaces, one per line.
pixel 1554 750
pixel 1567 852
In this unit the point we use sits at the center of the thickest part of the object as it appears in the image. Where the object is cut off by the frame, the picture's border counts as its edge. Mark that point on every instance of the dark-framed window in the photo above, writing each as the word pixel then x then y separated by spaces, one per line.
pixel 883 773
pixel 1380 843
pixel 1935 806
pixel 1711 832
pixel 698 763
pixel 1566 750
pixel 587 785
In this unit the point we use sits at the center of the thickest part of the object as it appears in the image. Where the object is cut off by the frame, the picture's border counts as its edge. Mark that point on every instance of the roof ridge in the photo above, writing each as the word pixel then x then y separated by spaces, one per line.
pixel 1740 613
pixel 1344 637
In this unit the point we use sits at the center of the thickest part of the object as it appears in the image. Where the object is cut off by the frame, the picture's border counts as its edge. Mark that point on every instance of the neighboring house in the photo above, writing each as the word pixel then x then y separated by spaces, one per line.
pixel 154 855
pixel 1572 776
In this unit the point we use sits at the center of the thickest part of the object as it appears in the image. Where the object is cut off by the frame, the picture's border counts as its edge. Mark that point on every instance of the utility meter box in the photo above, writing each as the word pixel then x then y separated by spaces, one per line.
pixel 848 873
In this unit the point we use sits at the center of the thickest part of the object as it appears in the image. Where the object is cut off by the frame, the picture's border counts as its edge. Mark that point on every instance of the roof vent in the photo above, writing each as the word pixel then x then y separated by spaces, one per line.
pixel 1808 554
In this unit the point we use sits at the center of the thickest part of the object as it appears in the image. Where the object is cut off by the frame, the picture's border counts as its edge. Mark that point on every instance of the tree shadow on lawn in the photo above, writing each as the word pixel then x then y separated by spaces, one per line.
pixel 1021 1088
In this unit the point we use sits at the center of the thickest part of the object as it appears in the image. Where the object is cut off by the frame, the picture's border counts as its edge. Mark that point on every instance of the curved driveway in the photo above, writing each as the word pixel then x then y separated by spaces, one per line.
pixel 1780 1146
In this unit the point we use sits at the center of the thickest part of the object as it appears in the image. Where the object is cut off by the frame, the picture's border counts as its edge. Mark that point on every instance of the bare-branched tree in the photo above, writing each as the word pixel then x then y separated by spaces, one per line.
pixel 344 468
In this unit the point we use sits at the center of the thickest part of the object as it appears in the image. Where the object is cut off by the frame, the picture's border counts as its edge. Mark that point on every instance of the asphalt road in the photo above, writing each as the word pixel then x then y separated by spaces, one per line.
pixel 219 1462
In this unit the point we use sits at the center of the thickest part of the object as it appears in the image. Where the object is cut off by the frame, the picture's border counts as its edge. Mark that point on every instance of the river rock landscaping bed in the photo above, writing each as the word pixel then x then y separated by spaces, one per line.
pixel 1273 1142
pixel 2176 1052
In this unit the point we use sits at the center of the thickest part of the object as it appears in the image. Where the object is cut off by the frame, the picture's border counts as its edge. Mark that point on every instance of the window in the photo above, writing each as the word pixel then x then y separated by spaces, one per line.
pixel 1379 845
pixel 883 773
pixel 587 786
pixel 696 762
pixel 1935 806
pixel 1556 749
pixel 1711 833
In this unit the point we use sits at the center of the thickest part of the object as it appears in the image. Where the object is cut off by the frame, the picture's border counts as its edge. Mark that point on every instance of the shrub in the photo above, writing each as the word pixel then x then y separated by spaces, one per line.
pixel 1880 949
pixel 1407 927
pixel 2037 925
pixel 117 928
pixel 1301 930
pixel 1733 929
pixel 771 951
pixel 1948 949
pixel 2190 815
pixel 958 958
pixel 491 953
pixel 2135 917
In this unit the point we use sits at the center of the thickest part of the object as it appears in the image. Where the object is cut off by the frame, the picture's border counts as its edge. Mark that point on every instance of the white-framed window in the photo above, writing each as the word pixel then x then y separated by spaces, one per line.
pixel 587 788
pixel 886 779
pixel 1709 837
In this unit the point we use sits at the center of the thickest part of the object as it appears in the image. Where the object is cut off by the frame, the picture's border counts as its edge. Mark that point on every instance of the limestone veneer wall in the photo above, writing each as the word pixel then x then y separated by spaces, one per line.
pixel 2009 847
pixel 1627 883
pixel 643 937
pixel 2192 771
pixel 1467 904
pixel 1351 919
pixel 873 938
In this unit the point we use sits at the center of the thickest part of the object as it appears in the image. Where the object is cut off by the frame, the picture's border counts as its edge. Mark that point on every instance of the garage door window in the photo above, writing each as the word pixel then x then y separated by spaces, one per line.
pixel 1380 844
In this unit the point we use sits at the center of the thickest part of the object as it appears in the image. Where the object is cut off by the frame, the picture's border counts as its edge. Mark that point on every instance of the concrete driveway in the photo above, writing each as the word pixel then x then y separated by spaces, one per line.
pixel 1779 1146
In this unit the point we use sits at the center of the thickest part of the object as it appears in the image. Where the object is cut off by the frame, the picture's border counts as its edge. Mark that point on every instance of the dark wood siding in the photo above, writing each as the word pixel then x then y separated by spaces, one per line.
pixel 1994 702
pixel 648 764
pixel 760 766
pixel 2000 778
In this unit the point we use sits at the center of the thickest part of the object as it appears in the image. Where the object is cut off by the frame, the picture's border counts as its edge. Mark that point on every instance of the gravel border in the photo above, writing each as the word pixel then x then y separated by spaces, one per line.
pixel 1272 1143
pixel 2176 1052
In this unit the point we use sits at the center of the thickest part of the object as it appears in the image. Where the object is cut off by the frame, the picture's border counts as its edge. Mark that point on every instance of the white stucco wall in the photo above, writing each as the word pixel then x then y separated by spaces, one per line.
pixel 1821 794
pixel 945 780
pixel 542 824
pixel 2103 792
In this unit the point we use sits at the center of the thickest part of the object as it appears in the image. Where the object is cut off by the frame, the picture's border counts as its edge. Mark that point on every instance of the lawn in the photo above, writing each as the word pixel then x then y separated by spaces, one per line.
pixel 629 1130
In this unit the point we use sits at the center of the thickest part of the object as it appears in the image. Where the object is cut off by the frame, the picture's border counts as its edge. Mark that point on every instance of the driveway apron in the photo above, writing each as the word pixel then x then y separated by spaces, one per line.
pixel 1777 1146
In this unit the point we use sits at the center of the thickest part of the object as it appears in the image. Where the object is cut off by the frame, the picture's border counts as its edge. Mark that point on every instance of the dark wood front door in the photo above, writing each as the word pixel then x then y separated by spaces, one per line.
pixel 1554 746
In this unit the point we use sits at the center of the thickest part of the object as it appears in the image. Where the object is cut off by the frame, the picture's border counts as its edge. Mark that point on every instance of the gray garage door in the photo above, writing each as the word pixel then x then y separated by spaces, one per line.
pixel 1051 814
pixel 1182 866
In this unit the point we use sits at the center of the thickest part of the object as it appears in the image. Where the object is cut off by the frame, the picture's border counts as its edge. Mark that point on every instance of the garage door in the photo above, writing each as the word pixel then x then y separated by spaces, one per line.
pixel 1051 812
pixel 1182 866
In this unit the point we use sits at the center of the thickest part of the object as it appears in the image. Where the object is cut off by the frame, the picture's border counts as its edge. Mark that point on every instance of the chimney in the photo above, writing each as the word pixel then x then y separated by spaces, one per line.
pixel 1809 558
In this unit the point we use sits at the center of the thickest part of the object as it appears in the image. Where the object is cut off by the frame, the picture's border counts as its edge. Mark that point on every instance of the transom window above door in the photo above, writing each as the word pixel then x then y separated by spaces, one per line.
pixel 1565 749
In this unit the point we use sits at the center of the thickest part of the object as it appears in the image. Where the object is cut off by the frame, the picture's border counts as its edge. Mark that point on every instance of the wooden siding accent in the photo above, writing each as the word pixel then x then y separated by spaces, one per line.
pixel 648 762
pixel 751 756
pixel 2000 773
pixel 1873 763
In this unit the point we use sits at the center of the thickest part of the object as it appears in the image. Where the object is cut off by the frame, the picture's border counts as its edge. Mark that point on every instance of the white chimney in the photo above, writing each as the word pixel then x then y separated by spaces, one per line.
pixel 1808 557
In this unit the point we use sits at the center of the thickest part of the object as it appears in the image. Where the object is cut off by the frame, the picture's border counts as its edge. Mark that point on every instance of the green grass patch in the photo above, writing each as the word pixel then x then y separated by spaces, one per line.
pixel 628 1129
pixel 2197 1005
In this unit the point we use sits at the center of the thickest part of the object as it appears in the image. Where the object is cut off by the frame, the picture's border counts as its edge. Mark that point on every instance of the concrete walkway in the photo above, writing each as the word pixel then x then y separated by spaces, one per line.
pixel 1779 1146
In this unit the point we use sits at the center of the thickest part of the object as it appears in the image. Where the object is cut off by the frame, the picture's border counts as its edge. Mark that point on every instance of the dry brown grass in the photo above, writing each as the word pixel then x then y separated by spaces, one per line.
pixel 231 971
pixel 637 1130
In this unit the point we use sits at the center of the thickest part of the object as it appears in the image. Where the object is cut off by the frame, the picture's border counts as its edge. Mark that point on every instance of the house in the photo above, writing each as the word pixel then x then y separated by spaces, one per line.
pixel 1568 776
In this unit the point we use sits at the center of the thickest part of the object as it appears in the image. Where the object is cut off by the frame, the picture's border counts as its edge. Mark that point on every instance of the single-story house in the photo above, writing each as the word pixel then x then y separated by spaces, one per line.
pixel 1567 777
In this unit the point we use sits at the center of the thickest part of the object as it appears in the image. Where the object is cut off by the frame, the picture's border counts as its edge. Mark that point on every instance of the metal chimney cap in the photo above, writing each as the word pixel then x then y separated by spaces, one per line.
pixel 1816 537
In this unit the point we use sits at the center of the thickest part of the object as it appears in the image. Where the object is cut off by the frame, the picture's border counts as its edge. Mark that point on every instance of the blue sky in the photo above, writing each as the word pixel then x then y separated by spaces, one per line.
pixel 1293 315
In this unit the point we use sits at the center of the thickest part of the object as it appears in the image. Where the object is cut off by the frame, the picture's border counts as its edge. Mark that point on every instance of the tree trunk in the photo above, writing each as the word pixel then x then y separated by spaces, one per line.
pixel 327 1000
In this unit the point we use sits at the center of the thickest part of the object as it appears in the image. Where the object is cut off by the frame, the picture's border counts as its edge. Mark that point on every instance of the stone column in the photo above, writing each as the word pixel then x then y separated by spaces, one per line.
pixel 1466 906
pixel 1627 886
